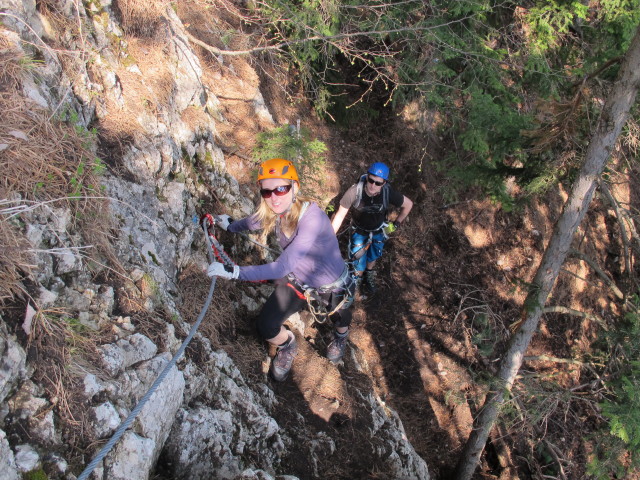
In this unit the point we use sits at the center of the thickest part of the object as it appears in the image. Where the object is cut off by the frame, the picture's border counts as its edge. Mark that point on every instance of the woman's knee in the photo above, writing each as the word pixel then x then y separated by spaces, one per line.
pixel 282 303
pixel 267 326
pixel 342 318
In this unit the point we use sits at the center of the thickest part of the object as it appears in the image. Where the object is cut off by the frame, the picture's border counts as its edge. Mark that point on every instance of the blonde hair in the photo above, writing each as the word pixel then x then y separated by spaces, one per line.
pixel 288 220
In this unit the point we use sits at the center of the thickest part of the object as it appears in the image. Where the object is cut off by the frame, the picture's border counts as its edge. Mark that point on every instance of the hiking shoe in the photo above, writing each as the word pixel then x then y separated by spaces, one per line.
pixel 281 363
pixel 358 281
pixel 369 281
pixel 335 350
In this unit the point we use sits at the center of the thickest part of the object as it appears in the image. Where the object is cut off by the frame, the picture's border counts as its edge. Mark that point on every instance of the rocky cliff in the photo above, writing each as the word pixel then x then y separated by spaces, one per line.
pixel 129 79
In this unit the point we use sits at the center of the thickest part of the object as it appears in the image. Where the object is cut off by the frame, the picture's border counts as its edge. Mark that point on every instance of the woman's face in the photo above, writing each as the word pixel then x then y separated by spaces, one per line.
pixel 277 203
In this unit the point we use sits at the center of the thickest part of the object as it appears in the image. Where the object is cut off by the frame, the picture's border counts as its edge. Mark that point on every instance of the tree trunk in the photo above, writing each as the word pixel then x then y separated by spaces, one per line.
pixel 614 116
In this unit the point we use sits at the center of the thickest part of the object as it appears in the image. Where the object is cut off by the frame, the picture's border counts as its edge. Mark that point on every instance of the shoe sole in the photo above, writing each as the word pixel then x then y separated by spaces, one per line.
pixel 273 377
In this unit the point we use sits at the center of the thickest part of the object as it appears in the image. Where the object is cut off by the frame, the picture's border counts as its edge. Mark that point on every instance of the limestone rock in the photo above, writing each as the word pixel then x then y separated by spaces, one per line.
pixel 126 352
pixel 7 460
pixel 131 458
pixel 26 458
pixel 12 362
pixel 106 419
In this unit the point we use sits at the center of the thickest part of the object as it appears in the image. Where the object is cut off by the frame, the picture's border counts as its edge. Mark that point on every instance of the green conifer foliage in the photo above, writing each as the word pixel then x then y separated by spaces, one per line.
pixel 517 84
pixel 297 145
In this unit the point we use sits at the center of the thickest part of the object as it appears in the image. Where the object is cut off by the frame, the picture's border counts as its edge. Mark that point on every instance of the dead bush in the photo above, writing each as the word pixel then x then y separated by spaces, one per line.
pixel 60 345
pixel 15 260
pixel 43 159
pixel 142 18
pixel 218 324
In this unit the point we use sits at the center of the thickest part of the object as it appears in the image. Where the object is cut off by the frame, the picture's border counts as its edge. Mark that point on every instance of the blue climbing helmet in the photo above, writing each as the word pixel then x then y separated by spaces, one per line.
pixel 379 169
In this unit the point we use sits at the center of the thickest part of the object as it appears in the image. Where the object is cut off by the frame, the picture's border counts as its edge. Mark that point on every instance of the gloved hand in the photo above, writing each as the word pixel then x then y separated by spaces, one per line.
pixel 390 228
pixel 217 269
pixel 224 221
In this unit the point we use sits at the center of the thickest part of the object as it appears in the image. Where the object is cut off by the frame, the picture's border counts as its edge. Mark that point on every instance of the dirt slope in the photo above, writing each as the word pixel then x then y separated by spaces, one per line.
pixel 451 285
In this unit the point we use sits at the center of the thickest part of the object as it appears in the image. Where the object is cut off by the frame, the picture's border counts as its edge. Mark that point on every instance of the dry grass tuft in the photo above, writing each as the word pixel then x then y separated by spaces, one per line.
pixel 42 160
pixel 195 118
pixel 14 260
pixel 153 325
pixel 10 67
pixel 119 123
pixel 56 341
pixel 223 325
pixel 249 354
pixel 147 94
pixel 219 322
pixel 142 18
pixel 156 84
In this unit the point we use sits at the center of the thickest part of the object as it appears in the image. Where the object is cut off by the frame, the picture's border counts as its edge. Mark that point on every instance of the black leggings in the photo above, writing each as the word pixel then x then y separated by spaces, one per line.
pixel 284 302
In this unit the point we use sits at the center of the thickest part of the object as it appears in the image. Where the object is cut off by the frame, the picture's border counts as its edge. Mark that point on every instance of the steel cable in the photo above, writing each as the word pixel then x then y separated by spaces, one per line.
pixel 134 413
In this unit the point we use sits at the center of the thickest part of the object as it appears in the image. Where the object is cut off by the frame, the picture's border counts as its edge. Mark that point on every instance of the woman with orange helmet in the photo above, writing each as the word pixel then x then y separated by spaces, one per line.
pixel 310 260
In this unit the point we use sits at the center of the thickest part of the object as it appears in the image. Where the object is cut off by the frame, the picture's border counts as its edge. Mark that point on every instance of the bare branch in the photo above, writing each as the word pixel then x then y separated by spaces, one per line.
pixel 547 358
pixel 325 38
pixel 619 217
pixel 576 313
pixel 614 288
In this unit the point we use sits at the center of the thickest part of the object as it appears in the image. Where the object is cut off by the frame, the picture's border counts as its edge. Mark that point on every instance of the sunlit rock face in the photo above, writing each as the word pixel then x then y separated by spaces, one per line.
pixel 204 419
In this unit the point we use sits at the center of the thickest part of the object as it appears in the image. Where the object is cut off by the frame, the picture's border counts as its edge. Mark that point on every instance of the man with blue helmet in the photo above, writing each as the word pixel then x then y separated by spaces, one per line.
pixel 370 199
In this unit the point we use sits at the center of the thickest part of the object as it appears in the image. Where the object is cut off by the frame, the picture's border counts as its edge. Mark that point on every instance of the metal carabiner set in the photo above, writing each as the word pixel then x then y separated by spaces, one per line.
pixel 319 299
pixel 208 222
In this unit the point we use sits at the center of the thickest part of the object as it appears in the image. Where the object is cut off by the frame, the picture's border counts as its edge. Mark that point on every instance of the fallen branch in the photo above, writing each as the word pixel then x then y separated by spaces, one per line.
pixel 555 453
pixel 576 313
pixel 503 452
pixel 547 358
pixel 619 217
pixel 614 288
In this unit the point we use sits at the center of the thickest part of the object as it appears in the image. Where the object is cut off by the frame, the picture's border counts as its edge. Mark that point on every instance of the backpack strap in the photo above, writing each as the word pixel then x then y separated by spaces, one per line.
pixel 359 188
pixel 385 196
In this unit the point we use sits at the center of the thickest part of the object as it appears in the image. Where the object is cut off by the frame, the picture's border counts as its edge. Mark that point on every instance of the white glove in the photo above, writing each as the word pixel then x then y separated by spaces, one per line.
pixel 217 269
pixel 223 221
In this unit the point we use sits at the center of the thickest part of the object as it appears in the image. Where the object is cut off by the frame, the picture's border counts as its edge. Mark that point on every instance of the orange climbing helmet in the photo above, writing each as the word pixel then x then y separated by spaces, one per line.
pixel 277 168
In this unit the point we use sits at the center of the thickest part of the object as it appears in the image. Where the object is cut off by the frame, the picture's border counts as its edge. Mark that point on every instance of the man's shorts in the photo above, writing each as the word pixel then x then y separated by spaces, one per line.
pixel 373 243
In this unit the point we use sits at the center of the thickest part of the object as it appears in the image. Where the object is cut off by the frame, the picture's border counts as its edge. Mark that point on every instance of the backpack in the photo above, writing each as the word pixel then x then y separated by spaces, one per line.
pixel 385 195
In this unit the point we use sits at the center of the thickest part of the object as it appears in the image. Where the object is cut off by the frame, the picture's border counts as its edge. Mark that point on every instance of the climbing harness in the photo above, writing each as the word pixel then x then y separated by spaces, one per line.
pixel 214 247
pixel 386 228
pixel 382 207
pixel 319 298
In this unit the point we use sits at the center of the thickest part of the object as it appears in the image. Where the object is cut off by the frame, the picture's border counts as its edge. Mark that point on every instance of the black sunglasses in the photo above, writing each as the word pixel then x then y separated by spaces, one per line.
pixel 371 180
pixel 279 191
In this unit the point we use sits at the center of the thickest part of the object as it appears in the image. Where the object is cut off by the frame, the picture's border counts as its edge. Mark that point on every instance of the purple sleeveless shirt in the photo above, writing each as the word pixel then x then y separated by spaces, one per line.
pixel 312 253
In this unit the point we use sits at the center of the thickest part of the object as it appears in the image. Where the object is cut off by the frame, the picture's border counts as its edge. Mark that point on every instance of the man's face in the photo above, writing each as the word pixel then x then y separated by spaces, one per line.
pixel 374 184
